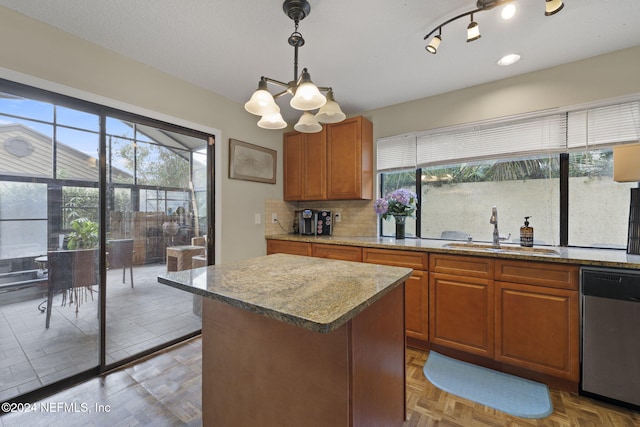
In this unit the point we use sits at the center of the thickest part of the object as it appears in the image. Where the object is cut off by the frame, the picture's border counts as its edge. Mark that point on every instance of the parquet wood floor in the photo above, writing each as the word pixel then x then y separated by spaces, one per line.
pixel 164 390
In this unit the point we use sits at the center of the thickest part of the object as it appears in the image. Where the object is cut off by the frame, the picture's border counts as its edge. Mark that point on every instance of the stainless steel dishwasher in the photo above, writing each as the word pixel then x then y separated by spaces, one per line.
pixel 611 334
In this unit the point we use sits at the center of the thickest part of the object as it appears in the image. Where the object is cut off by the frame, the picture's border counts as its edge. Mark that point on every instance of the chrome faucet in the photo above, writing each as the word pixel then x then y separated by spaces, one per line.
pixel 494 220
pixel 496 234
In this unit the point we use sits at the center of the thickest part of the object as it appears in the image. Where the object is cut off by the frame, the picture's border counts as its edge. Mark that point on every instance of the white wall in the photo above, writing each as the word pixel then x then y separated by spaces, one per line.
pixel 598 78
pixel 40 55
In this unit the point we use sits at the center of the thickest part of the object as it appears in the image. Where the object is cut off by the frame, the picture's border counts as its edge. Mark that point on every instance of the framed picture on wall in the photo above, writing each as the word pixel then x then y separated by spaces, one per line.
pixel 251 162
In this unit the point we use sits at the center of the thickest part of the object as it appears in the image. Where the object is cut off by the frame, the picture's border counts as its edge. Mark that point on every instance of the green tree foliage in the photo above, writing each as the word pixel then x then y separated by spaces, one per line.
pixel 156 165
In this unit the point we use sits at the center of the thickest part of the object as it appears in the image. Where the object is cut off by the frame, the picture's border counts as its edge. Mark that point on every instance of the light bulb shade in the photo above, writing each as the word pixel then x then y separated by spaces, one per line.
pixel 308 124
pixel 432 47
pixel 272 121
pixel 552 7
pixel 262 102
pixel 307 96
pixel 626 163
pixel 330 112
pixel 473 32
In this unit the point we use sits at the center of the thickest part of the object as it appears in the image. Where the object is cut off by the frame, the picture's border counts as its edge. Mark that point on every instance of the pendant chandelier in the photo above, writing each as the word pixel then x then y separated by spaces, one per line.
pixel 306 96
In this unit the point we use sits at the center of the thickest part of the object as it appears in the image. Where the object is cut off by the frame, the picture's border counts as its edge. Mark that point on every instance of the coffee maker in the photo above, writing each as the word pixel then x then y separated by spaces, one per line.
pixel 312 222
pixel 306 221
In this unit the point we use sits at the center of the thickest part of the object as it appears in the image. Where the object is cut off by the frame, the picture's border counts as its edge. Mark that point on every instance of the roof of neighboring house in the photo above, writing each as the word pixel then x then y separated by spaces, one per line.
pixel 26 152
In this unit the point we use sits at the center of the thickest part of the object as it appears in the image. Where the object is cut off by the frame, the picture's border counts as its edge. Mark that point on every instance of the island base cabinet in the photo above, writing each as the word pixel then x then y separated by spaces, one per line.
pixel 258 371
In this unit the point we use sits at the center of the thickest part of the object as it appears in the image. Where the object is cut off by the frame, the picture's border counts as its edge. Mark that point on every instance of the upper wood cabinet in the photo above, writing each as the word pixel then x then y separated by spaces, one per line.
pixel 305 165
pixel 335 164
pixel 350 159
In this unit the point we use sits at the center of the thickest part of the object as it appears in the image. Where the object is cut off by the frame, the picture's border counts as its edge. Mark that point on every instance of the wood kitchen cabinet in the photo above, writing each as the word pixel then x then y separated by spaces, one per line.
pixel 461 303
pixel 305 165
pixel 416 289
pixel 520 317
pixel 335 164
pixel 350 159
pixel 285 247
pixel 340 252
pixel 537 317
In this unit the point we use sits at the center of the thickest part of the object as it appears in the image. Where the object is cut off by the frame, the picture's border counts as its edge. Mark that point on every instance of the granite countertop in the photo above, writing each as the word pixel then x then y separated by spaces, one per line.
pixel 313 293
pixel 610 258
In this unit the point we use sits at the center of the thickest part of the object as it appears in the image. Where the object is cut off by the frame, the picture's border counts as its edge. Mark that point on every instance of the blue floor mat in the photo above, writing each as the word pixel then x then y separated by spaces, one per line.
pixel 507 393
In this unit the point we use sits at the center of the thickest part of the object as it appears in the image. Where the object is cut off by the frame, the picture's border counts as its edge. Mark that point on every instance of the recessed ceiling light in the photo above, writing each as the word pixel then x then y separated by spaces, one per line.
pixel 509 59
pixel 508 11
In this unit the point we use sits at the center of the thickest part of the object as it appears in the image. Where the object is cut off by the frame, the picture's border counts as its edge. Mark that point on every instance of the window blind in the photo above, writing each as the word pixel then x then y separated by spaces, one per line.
pixel 515 137
pixel 395 153
pixel 528 136
pixel 600 126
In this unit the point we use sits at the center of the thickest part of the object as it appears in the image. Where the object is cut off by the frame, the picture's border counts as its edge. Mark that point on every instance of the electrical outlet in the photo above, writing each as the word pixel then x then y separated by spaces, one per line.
pixel 274 218
pixel 337 217
pixel 257 219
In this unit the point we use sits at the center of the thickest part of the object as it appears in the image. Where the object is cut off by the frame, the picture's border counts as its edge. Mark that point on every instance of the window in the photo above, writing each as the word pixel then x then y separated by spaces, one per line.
pixel 456 200
pixel 393 181
pixel 23 220
pixel 598 206
pixel 518 165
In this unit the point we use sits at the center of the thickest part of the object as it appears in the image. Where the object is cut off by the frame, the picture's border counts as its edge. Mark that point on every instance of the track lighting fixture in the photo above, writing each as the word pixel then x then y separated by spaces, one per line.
pixel 306 96
pixel 432 47
pixel 553 7
pixel 473 30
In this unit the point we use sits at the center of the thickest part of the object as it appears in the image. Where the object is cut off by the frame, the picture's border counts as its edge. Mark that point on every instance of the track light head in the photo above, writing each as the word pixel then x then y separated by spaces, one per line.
pixel 473 31
pixel 552 7
pixel 432 47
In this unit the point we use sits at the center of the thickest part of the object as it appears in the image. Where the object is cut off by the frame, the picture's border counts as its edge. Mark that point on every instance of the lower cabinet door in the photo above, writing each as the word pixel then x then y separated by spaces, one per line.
pixel 461 313
pixel 416 305
pixel 537 329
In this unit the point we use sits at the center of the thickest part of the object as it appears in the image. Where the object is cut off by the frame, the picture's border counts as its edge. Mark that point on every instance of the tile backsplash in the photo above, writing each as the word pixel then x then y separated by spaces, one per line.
pixel 358 217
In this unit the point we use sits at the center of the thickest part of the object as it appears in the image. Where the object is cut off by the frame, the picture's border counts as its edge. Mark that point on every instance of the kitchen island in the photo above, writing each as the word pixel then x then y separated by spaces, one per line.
pixel 291 341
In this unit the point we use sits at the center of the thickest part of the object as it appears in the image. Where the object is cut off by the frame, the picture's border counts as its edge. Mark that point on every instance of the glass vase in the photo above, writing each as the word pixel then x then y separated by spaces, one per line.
pixel 400 226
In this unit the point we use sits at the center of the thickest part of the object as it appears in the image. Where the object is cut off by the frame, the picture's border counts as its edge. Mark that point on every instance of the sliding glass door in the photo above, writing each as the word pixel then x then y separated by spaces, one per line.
pixel 155 224
pixel 94 204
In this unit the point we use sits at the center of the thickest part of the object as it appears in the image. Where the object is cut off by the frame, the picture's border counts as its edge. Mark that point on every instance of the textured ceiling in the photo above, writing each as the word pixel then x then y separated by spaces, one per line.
pixel 370 51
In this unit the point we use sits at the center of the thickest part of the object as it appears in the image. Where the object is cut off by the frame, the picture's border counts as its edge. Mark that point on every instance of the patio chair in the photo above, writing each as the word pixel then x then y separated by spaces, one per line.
pixel 69 272
pixel 120 254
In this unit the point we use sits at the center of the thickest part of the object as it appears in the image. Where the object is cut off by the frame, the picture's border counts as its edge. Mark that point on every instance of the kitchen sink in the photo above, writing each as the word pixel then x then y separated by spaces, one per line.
pixel 509 249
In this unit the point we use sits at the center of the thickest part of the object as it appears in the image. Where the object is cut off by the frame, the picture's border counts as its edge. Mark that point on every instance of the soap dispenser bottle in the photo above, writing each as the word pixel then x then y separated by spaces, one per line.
pixel 526 234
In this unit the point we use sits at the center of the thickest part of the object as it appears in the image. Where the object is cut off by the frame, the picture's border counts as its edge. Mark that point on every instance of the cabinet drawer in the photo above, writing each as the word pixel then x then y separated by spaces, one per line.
pixel 415 260
pixel 538 273
pixel 285 247
pixel 345 253
pixel 462 266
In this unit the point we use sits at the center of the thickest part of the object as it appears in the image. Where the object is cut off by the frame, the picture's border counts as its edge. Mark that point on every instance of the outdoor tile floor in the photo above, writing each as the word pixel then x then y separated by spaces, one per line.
pixel 137 319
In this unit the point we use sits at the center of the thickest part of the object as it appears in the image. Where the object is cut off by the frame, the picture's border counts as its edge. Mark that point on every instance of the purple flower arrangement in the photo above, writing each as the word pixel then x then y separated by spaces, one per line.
pixel 401 202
